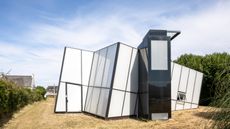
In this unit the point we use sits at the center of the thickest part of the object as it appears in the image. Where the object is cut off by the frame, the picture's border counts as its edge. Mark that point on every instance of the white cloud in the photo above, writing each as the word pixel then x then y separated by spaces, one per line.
pixel 204 31
pixel 43 63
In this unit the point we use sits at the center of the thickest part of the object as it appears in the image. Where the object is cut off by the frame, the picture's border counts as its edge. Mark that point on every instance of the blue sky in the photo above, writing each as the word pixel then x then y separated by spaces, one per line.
pixel 34 33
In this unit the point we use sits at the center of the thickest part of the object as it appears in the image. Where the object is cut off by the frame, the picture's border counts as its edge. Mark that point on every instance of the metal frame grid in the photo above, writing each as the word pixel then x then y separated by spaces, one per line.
pixel 111 88
pixel 66 83
pixel 186 88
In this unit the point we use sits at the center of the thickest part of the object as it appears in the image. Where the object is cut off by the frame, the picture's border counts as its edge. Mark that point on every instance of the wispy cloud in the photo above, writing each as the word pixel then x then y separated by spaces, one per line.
pixel 39 48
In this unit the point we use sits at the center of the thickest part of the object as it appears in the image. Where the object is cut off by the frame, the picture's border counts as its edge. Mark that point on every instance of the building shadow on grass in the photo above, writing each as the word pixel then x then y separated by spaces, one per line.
pixel 212 115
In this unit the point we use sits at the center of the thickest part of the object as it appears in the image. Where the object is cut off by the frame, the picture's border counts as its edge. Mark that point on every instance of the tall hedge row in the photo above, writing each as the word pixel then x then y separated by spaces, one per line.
pixel 13 97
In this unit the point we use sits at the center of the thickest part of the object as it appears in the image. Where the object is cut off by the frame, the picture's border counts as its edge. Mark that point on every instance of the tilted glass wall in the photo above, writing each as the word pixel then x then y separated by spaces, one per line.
pixel 105 83
pixel 113 84
pixel 100 81
pixel 186 87
pixel 73 82
pixel 125 85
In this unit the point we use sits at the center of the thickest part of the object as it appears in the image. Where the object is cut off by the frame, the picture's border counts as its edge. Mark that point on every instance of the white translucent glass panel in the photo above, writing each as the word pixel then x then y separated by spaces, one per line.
pixel 198 83
pixel 190 82
pixel 172 65
pixel 194 106
pixel 71 71
pixel 74 98
pixel 123 61
pixel 175 81
pixel 94 101
pixel 173 105
pixel 116 103
pixel 100 67
pixel 61 99
pixel 108 71
pixel 187 106
pixel 102 104
pixel 84 88
pixel 190 87
pixel 87 57
pixel 133 73
pixel 94 68
pixel 179 106
pixel 159 55
pixel 183 79
pixel 129 104
pixel 88 99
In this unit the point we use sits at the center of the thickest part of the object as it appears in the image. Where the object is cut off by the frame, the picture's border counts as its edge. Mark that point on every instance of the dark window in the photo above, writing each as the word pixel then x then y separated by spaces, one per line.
pixel 181 96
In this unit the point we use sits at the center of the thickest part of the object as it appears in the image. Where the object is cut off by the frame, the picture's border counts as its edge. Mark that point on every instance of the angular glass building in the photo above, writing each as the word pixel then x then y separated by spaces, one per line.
pixel 123 81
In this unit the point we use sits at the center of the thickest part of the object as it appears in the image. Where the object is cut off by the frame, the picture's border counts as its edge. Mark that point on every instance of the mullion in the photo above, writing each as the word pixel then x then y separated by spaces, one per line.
pixel 102 79
pixel 94 79
pixel 89 80
pixel 187 86
pixel 127 82
pixel 181 67
pixel 59 83
pixel 112 80
pixel 194 86
pixel 81 84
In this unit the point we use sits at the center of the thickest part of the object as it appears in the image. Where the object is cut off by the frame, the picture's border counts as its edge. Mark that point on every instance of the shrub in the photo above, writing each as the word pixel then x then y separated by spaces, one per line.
pixel 13 97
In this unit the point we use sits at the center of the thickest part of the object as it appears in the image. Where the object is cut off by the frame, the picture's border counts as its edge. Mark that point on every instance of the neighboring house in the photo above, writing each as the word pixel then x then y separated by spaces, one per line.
pixel 22 80
pixel 51 91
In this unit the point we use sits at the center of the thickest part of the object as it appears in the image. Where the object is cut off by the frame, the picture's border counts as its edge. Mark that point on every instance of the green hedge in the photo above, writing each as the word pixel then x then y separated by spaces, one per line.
pixel 13 97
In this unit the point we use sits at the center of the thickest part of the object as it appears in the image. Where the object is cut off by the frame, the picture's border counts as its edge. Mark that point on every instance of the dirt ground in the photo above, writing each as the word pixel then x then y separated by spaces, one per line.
pixel 40 115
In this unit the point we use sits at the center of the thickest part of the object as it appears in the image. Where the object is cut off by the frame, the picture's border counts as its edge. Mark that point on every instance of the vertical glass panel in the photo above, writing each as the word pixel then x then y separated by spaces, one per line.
pixel 74 98
pixel 194 106
pixel 102 104
pixel 116 103
pixel 84 95
pixel 123 61
pixel 100 68
pixel 94 68
pixel 175 81
pixel 71 71
pixel 61 100
pixel 172 68
pixel 111 53
pixel 129 105
pixel 159 55
pixel 86 66
pixel 94 101
pixel 173 105
pixel 133 73
pixel 198 83
pixel 88 99
pixel 179 106
pixel 187 106
pixel 191 82
pixel 184 79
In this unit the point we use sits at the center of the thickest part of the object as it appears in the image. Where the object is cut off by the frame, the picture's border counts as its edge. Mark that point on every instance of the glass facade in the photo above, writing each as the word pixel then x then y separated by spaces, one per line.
pixel 120 80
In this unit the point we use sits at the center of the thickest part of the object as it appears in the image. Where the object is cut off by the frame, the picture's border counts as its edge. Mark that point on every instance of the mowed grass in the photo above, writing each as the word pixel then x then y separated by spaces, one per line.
pixel 40 115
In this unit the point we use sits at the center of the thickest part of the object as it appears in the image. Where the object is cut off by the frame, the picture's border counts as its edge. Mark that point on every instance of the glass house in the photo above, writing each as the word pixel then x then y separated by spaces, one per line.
pixel 123 81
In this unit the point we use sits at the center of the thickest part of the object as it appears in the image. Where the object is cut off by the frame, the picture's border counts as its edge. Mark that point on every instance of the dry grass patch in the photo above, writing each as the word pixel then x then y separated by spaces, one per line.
pixel 40 115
